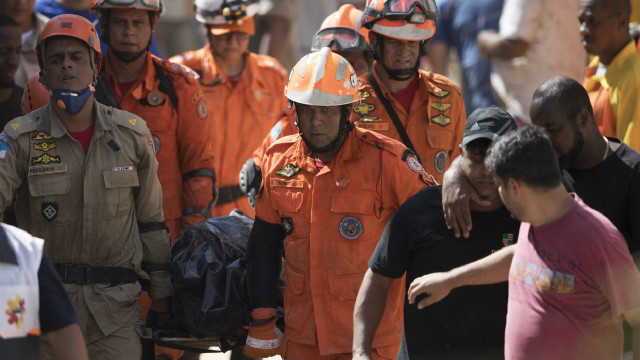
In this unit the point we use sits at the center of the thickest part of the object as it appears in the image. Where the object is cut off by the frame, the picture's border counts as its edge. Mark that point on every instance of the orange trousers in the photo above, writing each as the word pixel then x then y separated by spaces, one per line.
pixel 295 351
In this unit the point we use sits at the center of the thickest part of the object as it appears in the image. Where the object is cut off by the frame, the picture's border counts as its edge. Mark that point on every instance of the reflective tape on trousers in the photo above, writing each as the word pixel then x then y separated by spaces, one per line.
pixel 262 344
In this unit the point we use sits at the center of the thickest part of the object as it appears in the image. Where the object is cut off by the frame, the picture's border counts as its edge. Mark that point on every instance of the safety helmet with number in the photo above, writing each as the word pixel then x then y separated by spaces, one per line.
pixel 322 78
pixel 74 26
pixel 340 31
pixel 149 5
pixel 412 20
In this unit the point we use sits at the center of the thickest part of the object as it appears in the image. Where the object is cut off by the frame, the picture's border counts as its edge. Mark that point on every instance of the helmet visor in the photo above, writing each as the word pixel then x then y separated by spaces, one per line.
pixel 406 7
pixel 340 39
pixel 154 4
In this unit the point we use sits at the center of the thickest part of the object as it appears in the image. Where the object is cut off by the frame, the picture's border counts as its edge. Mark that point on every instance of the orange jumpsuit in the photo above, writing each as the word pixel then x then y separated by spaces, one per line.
pixel 181 136
pixel 435 123
pixel 242 113
pixel 335 216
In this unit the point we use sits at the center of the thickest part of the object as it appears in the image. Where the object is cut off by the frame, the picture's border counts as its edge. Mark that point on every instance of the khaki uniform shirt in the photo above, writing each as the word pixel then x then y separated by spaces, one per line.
pixel 102 208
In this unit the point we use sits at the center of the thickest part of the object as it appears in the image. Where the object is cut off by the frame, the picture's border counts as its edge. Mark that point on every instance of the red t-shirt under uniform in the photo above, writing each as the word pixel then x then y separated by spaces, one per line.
pixel 83 137
pixel 569 283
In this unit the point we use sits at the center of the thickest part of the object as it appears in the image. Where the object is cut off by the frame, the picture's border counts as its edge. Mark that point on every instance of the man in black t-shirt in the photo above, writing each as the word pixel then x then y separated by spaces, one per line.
pixel 470 323
pixel 10 94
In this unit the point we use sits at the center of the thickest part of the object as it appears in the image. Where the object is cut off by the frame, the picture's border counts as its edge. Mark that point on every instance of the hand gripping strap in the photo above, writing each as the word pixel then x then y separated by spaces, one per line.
pixel 263 344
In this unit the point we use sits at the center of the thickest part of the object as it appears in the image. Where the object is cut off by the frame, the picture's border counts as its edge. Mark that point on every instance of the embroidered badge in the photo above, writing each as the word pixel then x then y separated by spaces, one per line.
pixel 44 146
pixel 364 94
pixel 203 110
pixel 46 159
pixel 441 120
pixel 287 224
pixel 351 228
pixel 440 94
pixel 156 143
pixel 440 161
pixel 441 106
pixel 133 122
pixel 15 310
pixel 49 210
pixel 15 127
pixel 41 135
pixel 47 169
pixel 363 108
pixel 155 98
pixel 289 170
pixel 414 164
pixel 507 239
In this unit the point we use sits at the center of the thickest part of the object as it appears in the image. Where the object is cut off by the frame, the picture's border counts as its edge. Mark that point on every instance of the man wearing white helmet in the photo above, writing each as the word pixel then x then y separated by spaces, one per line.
pixel 327 193
pixel 422 109
pixel 243 90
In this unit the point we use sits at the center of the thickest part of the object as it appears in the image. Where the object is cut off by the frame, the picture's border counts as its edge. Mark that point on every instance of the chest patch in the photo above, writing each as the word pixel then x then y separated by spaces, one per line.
pixel 155 98
pixel 41 135
pixel 441 120
pixel 441 106
pixel 289 170
pixel 49 210
pixel 351 228
pixel 44 146
pixel 15 311
pixel 46 159
pixel 441 94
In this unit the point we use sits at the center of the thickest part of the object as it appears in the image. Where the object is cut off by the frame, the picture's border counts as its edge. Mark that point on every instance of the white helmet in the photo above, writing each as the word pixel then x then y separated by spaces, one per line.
pixel 220 12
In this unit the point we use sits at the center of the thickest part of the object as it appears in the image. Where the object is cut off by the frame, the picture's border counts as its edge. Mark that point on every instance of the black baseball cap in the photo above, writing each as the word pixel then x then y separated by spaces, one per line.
pixel 487 123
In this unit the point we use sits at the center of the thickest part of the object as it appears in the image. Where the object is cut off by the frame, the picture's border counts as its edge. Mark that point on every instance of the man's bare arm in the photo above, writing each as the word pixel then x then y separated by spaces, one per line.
pixel 488 270
pixel 67 343
pixel 495 45
pixel 369 308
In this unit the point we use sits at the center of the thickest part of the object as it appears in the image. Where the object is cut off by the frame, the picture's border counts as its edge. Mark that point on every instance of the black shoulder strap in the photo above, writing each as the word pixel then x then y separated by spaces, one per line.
pixel 394 117
pixel 165 85
pixel 103 93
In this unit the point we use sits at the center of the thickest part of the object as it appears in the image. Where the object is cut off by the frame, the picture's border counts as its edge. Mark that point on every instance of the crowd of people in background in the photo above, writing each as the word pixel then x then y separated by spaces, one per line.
pixel 431 179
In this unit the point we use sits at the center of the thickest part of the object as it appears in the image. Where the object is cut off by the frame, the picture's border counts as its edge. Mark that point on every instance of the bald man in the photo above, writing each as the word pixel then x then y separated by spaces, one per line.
pixel 613 76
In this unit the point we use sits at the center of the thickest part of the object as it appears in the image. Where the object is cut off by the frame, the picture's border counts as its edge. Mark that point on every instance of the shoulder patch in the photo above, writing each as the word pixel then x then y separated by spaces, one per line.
pixel 179 69
pixel 130 121
pixel 20 125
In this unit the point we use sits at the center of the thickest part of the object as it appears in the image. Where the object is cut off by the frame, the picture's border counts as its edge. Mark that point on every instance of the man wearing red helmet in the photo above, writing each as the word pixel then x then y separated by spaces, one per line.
pixel 84 176
pixel 423 110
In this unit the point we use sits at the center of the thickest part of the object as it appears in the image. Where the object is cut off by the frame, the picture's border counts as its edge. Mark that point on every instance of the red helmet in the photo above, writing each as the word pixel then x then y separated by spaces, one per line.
pixel 412 20
pixel 35 95
pixel 74 26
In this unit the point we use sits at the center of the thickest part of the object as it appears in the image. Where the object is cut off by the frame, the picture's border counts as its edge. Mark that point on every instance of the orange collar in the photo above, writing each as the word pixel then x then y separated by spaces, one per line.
pixel 147 79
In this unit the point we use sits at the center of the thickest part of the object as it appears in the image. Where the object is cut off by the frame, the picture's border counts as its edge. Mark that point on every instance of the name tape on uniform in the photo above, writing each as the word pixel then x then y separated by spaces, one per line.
pixel 123 168
pixel 47 169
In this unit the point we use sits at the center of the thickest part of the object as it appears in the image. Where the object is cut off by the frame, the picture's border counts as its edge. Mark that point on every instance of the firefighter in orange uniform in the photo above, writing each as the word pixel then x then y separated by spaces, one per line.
pixel 167 96
pixel 338 32
pixel 429 107
pixel 327 195
pixel 244 91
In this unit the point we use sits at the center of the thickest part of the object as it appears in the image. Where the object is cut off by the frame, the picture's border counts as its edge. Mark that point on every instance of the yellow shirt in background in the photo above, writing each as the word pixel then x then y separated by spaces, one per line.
pixel 614 95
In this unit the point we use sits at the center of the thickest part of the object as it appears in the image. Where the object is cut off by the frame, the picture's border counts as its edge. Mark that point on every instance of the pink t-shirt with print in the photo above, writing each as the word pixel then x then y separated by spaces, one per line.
pixel 570 282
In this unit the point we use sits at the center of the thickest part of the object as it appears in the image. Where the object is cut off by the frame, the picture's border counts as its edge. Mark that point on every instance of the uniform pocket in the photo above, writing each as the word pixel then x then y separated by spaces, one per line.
pixel 345 287
pixel 288 200
pixel 48 185
pixel 343 290
pixel 119 193
pixel 439 139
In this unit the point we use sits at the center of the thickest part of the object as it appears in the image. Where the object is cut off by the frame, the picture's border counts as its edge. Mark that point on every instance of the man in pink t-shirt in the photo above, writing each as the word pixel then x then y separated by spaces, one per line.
pixel 571 277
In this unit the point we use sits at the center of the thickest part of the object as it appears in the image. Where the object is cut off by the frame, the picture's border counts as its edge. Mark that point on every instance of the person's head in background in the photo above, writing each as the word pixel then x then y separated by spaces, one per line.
pixel 561 106
pixel 526 170
pixel 484 126
pixel 604 27
pixel 78 5
pixel 21 11
pixel 341 33
pixel 10 47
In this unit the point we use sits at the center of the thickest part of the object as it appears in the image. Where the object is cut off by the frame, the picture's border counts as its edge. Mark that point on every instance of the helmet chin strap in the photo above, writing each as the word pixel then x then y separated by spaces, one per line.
pixel 345 127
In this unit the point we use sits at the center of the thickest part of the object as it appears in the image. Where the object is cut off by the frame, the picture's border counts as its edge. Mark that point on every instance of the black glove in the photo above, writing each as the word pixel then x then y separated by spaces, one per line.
pixel 159 320
pixel 249 180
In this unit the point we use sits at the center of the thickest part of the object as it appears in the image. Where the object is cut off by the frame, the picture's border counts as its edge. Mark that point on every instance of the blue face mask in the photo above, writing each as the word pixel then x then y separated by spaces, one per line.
pixel 73 101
